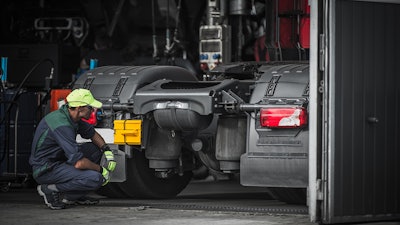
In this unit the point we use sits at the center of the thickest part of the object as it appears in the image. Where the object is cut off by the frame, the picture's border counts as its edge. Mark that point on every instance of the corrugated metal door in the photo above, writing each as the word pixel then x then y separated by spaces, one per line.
pixel 363 148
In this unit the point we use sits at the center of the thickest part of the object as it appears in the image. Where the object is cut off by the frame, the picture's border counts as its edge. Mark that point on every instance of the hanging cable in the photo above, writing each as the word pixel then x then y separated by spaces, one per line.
pixel 177 21
pixel 24 80
pixel 171 47
pixel 167 33
pixel 153 26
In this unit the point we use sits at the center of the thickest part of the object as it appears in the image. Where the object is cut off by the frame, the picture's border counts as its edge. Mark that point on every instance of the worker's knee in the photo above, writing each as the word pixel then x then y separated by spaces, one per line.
pixel 94 181
pixel 89 180
pixel 91 151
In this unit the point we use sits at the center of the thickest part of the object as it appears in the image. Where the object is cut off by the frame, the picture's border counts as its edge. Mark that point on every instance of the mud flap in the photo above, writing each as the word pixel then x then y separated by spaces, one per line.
pixel 119 174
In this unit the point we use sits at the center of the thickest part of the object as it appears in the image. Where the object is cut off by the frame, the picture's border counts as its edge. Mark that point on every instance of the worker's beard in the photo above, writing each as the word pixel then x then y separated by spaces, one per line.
pixel 86 116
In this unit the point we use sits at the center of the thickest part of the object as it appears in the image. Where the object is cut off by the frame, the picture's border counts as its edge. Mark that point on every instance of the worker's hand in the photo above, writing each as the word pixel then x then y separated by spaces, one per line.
pixel 110 162
pixel 106 176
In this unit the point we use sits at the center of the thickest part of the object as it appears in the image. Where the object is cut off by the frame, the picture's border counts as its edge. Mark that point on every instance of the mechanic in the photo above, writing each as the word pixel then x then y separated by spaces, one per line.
pixel 65 170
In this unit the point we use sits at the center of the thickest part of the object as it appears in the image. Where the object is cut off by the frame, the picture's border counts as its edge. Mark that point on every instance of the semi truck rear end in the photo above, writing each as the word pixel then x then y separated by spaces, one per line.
pixel 299 97
pixel 252 122
pixel 275 124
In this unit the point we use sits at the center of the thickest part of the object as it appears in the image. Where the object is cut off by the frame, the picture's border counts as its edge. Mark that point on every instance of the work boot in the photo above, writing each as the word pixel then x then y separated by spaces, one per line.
pixel 82 201
pixel 51 198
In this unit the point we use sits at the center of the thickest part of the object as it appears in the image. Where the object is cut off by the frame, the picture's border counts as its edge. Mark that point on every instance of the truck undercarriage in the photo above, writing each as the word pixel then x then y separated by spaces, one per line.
pixel 251 119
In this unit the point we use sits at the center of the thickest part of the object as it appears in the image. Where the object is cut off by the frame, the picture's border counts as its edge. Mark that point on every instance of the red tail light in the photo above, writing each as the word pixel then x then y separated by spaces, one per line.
pixel 283 117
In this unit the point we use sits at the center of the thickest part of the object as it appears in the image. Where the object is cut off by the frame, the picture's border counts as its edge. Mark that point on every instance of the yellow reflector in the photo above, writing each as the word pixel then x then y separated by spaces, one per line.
pixel 127 132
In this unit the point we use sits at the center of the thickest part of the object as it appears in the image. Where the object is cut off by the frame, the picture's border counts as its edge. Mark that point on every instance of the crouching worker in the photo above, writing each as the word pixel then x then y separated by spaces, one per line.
pixel 66 171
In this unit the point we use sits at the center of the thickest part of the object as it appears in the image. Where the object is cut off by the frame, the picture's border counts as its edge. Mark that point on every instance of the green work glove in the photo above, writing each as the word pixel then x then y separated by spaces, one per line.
pixel 106 176
pixel 110 162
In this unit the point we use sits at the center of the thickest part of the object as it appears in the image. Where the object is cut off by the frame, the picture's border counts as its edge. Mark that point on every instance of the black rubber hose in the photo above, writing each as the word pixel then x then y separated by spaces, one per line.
pixel 23 83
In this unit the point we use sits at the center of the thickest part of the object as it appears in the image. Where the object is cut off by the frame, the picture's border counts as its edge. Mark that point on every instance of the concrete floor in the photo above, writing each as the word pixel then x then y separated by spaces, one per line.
pixel 22 206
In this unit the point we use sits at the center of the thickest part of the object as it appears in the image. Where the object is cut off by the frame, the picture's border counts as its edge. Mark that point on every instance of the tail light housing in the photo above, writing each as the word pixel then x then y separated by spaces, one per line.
pixel 283 117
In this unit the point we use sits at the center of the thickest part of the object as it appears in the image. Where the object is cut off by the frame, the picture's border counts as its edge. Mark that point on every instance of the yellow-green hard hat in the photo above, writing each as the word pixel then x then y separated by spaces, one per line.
pixel 82 97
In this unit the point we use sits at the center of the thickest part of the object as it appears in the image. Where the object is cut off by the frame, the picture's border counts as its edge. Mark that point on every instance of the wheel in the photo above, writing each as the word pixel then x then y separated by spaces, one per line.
pixel 141 181
pixel 296 196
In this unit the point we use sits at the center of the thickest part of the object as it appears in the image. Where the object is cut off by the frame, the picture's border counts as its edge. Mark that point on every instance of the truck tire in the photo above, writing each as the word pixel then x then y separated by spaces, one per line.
pixel 111 190
pixel 141 181
pixel 296 196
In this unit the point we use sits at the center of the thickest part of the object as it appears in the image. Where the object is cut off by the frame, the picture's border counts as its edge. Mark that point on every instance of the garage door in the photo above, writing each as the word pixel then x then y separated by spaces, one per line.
pixel 362 160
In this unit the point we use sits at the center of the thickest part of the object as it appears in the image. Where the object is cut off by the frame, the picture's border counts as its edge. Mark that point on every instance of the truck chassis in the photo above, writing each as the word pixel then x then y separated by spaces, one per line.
pixel 248 119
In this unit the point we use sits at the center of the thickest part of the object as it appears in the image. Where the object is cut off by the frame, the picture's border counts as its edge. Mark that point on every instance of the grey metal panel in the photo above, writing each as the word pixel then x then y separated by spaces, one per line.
pixel 199 97
pixel 276 157
pixel 315 115
pixel 364 169
pixel 119 83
